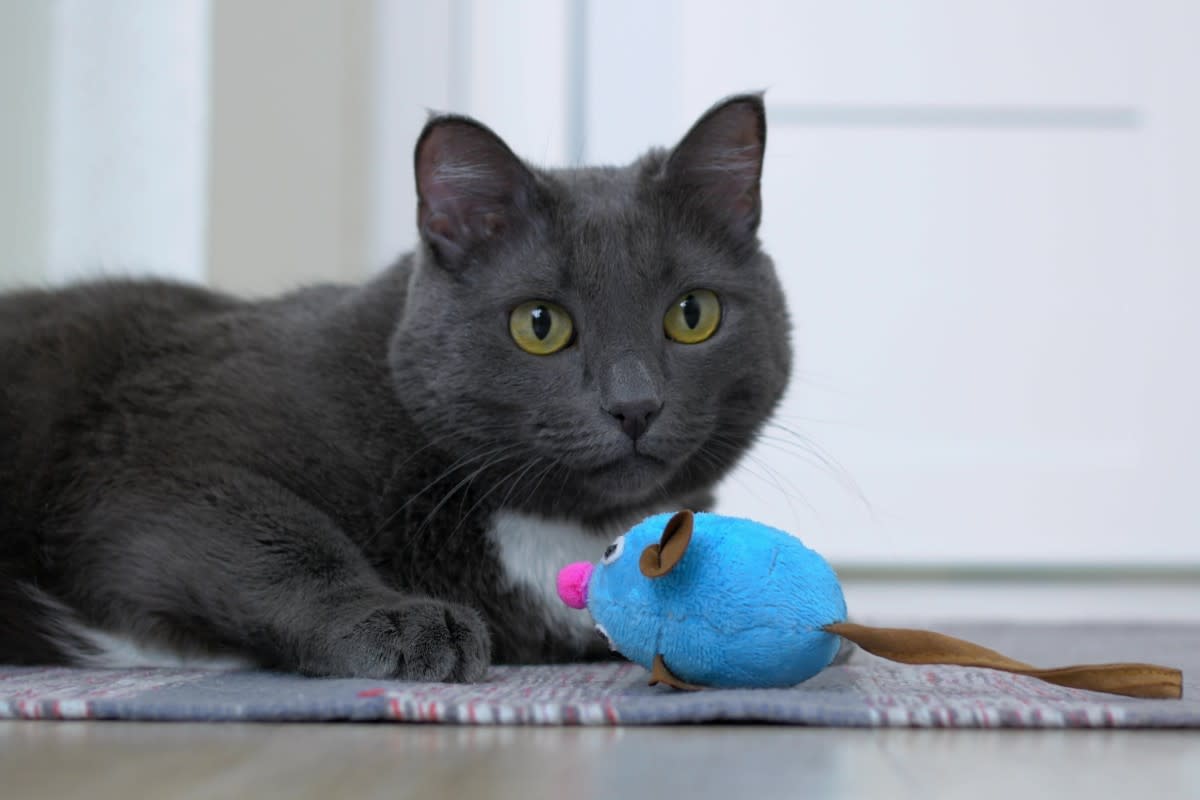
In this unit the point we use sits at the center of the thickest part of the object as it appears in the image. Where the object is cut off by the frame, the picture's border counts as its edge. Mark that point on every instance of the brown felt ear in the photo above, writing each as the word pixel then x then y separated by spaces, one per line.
pixel 659 559
pixel 660 674
pixel 927 647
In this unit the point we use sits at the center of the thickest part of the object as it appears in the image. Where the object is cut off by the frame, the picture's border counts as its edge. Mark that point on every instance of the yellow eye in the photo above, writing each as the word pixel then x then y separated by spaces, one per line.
pixel 540 327
pixel 694 317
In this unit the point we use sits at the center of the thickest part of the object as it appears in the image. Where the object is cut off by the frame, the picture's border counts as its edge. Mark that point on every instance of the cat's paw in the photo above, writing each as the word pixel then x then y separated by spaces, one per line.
pixel 417 640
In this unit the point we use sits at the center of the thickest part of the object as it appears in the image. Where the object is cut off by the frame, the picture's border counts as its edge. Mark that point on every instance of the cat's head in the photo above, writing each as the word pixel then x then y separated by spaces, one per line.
pixel 604 337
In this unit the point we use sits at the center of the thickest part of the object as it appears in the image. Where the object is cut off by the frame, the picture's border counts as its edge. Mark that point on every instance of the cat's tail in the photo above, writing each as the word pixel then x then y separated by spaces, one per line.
pixel 36 629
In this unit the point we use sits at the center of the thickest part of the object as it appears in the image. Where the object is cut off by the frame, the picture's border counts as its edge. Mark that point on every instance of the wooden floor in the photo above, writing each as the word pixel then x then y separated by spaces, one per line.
pixel 97 761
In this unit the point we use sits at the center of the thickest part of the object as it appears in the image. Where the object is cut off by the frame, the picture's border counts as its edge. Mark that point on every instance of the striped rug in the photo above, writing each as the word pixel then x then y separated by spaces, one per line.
pixel 863 692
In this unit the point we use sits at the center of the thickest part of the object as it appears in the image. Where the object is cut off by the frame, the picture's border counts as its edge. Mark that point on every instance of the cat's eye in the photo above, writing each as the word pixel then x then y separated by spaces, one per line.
pixel 694 317
pixel 541 327
pixel 613 551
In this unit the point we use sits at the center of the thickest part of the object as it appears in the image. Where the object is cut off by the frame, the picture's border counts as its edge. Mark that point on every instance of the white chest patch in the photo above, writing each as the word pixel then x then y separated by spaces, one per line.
pixel 533 549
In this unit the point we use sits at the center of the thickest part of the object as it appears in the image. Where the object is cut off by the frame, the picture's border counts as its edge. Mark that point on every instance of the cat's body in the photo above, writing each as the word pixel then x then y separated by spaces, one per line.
pixel 160 392
pixel 376 480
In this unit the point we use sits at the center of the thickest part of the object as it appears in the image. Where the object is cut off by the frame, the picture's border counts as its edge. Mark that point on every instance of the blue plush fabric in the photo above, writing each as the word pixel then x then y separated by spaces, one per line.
pixel 744 607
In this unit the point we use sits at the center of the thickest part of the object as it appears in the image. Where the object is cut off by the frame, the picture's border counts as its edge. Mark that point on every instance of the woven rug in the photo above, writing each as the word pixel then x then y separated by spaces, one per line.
pixel 864 692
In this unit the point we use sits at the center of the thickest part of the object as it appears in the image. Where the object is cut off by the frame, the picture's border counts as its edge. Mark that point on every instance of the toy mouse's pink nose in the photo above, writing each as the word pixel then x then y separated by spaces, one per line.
pixel 573 582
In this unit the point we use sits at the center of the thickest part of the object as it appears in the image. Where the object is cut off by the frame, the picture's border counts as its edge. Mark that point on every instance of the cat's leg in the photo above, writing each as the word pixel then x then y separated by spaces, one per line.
pixel 238 563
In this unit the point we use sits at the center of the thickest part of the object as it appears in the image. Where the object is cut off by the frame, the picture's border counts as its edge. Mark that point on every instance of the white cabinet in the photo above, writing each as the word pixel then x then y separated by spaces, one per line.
pixel 985 215
pixel 943 52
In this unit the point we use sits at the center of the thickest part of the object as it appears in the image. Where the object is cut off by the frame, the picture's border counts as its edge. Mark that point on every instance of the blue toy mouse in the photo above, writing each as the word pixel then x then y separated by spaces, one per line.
pixel 704 600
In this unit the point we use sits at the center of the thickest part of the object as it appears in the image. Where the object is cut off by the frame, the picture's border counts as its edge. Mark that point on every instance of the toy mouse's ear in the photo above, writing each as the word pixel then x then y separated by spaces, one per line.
pixel 659 559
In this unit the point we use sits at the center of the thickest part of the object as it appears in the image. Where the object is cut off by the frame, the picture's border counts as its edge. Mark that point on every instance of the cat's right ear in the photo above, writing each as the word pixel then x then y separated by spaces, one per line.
pixel 471 188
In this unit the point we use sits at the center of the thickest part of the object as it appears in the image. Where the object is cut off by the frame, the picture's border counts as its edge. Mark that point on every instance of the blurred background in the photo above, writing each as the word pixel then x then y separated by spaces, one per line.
pixel 986 214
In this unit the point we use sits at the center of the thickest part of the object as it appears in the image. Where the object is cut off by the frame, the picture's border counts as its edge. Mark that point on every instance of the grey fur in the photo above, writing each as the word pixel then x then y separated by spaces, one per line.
pixel 307 481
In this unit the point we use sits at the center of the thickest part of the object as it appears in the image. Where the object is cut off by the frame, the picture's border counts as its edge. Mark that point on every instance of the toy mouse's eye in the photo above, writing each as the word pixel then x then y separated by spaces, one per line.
pixel 613 551
pixel 604 635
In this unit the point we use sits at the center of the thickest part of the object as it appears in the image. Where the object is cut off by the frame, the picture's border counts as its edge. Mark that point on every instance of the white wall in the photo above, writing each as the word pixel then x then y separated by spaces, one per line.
pixel 415 49
pixel 290 143
pixel 104 162
pixel 127 138
pixel 24 91
pixel 506 62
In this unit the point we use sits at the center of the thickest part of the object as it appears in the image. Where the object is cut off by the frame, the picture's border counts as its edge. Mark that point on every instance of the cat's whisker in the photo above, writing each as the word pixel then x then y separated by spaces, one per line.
pixel 457 434
pixel 460 485
pixel 793 449
pixel 714 461
pixel 413 537
pixel 804 419
pixel 562 483
pixel 541 477
pixel 448 540
pixel 471 457
pixel 796 444
pixel 772 475
pixel 519 472
pixel 512 486
pixel 823 458
pixel 765 471
pixel 466 493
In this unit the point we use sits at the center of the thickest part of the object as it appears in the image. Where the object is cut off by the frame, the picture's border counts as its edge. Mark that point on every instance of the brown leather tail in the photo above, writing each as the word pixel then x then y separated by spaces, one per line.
pixel 926 647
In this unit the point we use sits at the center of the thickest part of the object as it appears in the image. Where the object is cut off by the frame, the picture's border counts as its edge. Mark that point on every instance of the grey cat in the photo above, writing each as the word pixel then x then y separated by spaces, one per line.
pixel 381 480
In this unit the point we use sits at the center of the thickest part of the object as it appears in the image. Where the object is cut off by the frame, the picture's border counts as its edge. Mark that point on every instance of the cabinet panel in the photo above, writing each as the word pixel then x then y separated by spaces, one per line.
pixel 1022 52
pixel 974 311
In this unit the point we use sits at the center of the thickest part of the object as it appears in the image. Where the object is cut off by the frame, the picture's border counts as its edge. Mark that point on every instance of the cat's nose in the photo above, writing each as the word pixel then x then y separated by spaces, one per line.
pixel 635 416
pixel 632 392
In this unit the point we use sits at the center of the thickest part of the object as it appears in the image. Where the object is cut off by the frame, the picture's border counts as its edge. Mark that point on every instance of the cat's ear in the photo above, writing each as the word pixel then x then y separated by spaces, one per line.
pixel 718 165
pixel 471 188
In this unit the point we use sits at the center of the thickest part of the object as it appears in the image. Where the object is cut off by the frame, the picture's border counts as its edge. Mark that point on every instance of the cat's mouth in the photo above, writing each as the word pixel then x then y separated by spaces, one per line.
pixel 632 460
pixel 616 469
pixel 630 474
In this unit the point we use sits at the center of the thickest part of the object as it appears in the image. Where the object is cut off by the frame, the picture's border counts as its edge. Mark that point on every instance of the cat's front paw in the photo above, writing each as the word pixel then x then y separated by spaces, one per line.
pixel 417 640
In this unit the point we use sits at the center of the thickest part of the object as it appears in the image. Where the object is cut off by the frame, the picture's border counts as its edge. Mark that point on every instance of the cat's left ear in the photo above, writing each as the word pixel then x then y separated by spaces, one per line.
pixel 718 165
pixel 471 188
